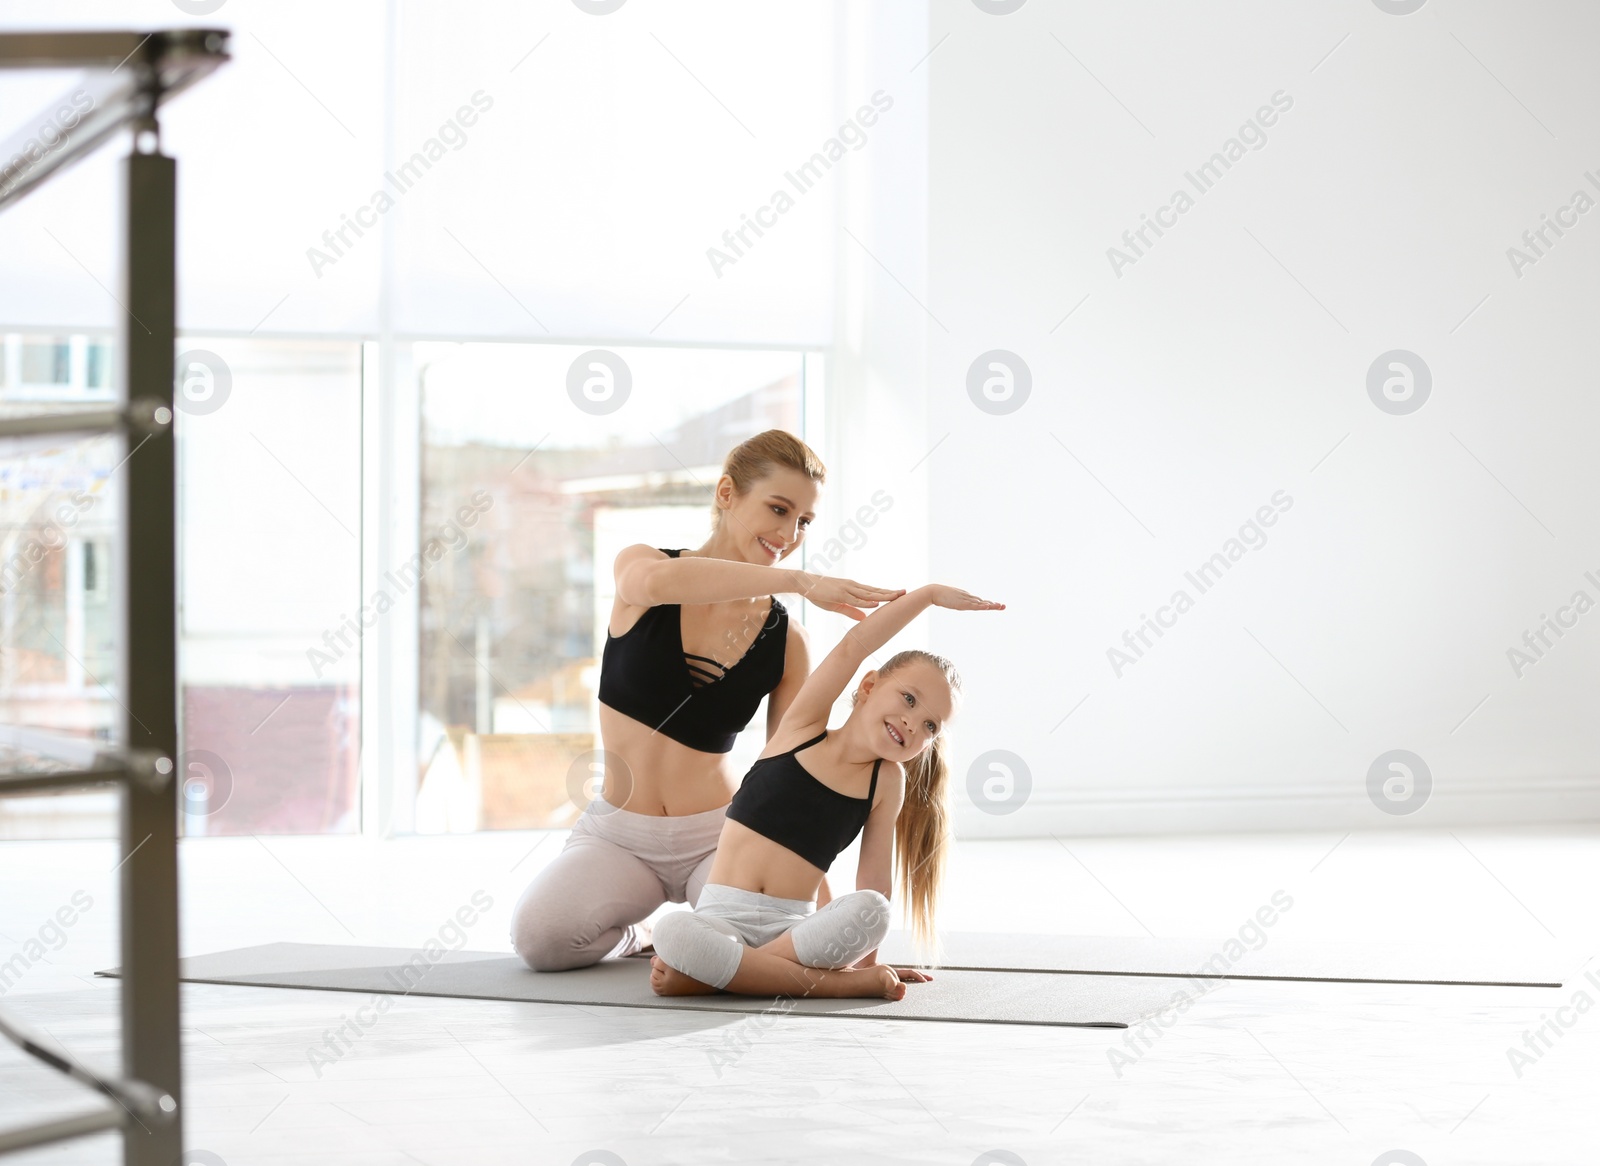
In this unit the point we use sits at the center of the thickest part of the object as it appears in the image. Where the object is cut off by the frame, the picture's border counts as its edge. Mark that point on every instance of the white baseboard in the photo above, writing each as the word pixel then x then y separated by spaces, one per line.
pixel 1328 806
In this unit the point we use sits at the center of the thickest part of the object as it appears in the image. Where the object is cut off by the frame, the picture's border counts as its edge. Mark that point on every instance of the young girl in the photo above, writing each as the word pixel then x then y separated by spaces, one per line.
pixel 756 929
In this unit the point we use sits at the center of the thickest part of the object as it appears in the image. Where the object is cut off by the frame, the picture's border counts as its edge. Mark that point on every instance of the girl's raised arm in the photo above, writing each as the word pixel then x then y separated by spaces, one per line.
pixel 813 702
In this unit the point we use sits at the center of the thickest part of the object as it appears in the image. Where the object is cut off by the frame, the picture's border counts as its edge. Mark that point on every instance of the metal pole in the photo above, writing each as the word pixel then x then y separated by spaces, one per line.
pixel 147 632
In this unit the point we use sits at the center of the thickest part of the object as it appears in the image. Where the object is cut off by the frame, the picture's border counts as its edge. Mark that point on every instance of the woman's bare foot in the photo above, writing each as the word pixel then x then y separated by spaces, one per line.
pixel 668 981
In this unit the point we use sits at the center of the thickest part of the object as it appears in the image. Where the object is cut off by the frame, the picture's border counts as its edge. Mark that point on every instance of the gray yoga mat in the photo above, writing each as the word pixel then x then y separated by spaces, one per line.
pixel 1228 958
pixel 984 997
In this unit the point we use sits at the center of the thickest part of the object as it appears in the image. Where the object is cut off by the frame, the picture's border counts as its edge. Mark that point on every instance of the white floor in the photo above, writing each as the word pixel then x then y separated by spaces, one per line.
pixel 1252 1072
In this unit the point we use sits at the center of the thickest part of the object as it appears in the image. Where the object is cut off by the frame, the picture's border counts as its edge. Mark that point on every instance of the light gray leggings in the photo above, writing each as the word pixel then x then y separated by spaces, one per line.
pixel 708 943
pixel 615 869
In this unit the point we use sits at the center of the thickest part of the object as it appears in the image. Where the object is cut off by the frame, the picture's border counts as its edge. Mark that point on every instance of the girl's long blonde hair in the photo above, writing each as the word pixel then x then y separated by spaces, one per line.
pixel 922 831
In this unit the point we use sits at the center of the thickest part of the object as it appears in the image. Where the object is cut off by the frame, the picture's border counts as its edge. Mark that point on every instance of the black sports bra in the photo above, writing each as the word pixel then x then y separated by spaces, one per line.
pixel 781 800
pixel 645 674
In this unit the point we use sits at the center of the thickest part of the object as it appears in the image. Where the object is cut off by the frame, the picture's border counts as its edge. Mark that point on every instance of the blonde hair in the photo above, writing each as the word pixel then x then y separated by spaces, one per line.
pixel 755 458
pixel 922 831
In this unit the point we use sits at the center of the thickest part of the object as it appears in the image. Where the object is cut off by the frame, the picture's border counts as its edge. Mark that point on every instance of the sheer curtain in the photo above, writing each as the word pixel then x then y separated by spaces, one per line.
pixel 543 172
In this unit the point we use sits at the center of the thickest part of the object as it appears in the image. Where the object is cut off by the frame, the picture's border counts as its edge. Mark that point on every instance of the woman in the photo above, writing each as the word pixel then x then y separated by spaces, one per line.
pixel 694 642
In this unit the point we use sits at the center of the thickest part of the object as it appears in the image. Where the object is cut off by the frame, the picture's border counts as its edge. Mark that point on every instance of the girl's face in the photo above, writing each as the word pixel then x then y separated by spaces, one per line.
pixel 767 525
pixel 906 709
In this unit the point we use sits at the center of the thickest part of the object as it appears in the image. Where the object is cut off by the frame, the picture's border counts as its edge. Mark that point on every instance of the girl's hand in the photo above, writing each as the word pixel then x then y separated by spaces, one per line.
pixel 912 976
pixel 845 596
pixel 959 600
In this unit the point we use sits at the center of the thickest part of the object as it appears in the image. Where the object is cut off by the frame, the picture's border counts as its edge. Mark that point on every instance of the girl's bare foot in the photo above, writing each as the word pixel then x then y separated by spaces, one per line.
pixel 888 981
pixel 855 983
pixel 668 981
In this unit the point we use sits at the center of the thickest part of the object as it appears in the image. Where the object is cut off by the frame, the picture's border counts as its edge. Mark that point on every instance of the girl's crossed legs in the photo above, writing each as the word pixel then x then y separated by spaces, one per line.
pixel 745 941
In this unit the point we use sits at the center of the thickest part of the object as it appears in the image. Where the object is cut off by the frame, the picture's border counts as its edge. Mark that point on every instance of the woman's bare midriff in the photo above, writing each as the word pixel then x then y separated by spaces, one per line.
pixel 671 780
pixel 650 773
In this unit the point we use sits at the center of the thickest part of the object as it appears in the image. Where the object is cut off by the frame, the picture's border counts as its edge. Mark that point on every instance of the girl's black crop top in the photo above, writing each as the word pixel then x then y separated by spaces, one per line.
pixel 645 674
pixel 781 800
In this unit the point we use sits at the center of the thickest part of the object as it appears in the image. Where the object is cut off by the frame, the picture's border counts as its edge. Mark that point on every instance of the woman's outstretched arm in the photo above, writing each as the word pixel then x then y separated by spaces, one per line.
pixel 645 577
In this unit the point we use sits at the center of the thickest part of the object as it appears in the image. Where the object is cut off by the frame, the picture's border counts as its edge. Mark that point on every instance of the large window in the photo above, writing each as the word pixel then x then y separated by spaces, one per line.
pixel 540 463
pixel 58 507
pixel 268 558
pixel 269 480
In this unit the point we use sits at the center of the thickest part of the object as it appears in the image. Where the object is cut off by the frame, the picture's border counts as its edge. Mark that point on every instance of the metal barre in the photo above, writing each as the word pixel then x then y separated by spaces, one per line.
pixel 59 1129
pixel 163 63
pixel 139 1099
pixel 159 64
pixel 99 422
pixel 144 767
pixel 30 783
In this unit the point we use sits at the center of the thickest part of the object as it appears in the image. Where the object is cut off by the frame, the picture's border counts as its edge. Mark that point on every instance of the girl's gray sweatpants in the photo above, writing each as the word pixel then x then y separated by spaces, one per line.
pixel 708 942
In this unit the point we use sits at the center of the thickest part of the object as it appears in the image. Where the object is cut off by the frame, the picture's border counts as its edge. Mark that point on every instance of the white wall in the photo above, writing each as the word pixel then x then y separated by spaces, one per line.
pixel 1224 365
pixel 877 442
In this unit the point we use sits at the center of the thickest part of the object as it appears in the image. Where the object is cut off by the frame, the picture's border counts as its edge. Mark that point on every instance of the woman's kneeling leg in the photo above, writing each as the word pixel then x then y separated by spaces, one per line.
pixel 584 906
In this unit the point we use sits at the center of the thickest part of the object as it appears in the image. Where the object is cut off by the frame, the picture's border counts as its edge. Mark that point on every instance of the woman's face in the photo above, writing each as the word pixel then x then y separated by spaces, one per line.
pixel 906 709
pixel 767 525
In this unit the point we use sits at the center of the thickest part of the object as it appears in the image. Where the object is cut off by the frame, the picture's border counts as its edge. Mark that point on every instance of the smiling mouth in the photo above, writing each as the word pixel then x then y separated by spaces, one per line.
pixel 894 734
pixel 775 552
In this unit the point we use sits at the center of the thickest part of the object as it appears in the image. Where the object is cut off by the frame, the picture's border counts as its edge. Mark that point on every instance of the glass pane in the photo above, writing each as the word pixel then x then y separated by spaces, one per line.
pixel 530 495
pixel 269 509
pixel 99 374
pixel 58 520
pixel 55 371
pixel 46 362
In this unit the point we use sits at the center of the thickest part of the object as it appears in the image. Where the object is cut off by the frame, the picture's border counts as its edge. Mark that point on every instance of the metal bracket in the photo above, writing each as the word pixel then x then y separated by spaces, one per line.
pixel 151 768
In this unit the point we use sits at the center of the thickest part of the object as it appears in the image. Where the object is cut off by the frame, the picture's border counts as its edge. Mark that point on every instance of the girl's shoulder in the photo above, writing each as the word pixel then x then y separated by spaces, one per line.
pixel 787 740
pixel 891 784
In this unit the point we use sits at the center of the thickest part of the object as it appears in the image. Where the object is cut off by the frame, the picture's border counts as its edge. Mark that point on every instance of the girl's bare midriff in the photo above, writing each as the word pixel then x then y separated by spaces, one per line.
pixel 753 862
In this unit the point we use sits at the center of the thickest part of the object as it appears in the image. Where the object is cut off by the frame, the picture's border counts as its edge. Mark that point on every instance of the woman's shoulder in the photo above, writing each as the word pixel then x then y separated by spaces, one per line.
pixel 635 551
pixel 626 616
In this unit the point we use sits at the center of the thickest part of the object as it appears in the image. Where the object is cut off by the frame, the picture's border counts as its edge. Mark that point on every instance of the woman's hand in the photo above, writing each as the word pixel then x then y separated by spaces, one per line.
pixel 845 596
pixel 959 600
